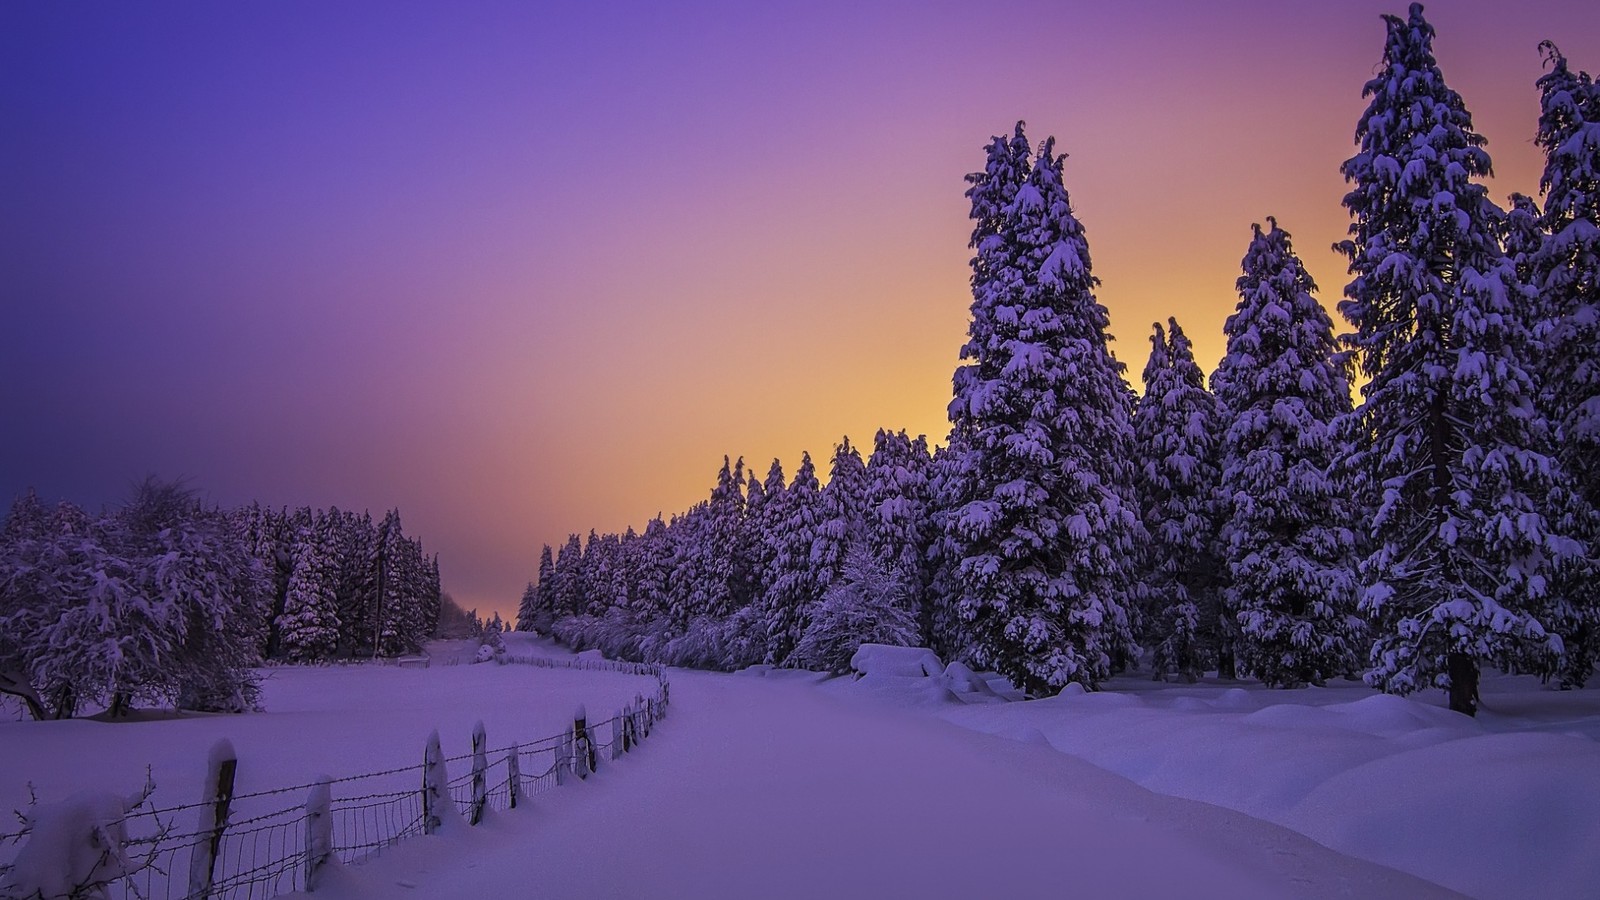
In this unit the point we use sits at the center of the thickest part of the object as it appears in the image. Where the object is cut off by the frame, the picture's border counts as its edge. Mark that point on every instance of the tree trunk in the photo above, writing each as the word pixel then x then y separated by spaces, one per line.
pixel 16 684
pixel 1463 671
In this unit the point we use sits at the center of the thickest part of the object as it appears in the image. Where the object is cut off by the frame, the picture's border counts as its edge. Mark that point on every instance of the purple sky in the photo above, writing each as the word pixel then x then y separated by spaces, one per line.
pixel 525 269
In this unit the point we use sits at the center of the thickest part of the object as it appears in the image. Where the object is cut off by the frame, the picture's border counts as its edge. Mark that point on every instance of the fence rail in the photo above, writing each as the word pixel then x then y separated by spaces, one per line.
pixel 231 846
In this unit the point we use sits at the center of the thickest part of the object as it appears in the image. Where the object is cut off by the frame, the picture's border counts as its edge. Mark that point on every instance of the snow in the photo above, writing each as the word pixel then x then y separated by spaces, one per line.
pixel 924 784
pixel 1375 776
pixel 882 659
pixel 757 788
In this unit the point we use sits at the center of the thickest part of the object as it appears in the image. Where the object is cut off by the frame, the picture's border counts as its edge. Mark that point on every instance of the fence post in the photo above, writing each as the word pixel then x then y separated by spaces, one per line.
pixel 214 803
pixel 435 785
pixel 583 742
pixel 480 773
pixel 319 832
pixel 563 757
pixel 514 776
pixel 616 733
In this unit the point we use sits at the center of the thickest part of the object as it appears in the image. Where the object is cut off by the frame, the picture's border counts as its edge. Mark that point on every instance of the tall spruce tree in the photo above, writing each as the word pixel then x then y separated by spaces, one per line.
pixel 1048 526
pixel 897 523
pixel 795 583
pixel 841 524
pixel 1175 427
pixel 309 624
pixel 1456 456
pixel 1565 269
pixel 1288 548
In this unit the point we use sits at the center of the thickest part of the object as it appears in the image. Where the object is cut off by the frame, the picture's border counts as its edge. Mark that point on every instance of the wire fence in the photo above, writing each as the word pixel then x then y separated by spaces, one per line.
pixel 266 843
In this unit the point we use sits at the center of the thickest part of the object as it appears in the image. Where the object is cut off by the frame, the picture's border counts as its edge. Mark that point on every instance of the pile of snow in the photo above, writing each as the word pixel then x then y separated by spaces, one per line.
pixel 1507 804
pixel 896 662
pixel 73 846
pixel 914 675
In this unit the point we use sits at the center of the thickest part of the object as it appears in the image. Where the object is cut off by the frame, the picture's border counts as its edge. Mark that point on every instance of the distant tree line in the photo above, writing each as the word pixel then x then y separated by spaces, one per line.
pixel 166 600
pixel 1265 525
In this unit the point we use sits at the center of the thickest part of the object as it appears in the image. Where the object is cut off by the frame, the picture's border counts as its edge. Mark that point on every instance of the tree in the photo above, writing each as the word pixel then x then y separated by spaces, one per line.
pixel 1048 526
pixel 1288 548
pixel 1565 269
pixel 842 520
pixel 898 527
pixel 866 604
pixel 794 581
pixel 1455 455
pixel 308 627
pixel 1175 428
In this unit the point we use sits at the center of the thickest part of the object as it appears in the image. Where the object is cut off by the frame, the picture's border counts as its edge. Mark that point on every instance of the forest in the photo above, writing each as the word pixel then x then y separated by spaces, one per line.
pixel 1261 523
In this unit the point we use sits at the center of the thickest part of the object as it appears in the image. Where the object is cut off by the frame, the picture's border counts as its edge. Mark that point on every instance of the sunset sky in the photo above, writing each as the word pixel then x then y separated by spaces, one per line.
pixel 524 269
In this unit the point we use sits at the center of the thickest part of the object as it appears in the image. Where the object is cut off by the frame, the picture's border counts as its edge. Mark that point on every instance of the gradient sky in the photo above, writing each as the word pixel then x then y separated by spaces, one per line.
pixel 527 269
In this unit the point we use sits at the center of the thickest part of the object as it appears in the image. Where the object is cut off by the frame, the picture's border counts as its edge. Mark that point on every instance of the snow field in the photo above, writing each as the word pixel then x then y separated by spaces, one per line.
pixel 327 720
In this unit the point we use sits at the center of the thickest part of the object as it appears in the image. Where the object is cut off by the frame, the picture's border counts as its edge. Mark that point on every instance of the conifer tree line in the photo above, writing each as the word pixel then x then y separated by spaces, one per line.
pixel 1263 524
pixel 167 600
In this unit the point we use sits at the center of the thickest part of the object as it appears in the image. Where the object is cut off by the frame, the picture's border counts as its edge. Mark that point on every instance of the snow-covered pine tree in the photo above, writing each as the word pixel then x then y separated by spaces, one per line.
pixel 1176 431
pixel 795 586
pixel 898 530
pixel 1288 547
pixel 1458 459
pixel 654 568
pixel 752 554
pixel 947 480
pixel 990 193
pixel 1566 272
pixel 1050 527
pixel 843 521
pixel 356 539
pixel 567 587
pixel 764 517
pixel 308 627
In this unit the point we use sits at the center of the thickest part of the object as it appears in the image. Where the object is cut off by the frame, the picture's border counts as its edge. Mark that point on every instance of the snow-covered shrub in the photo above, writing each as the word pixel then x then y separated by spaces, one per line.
pixel 158 601
pixel 866 604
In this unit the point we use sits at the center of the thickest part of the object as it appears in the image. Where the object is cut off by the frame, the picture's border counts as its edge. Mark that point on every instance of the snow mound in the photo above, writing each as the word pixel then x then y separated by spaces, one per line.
pixel 898 662
pixel 963 680
pixel 594 655
pixel 1410 811
pixel 1387 714
pixel 72 844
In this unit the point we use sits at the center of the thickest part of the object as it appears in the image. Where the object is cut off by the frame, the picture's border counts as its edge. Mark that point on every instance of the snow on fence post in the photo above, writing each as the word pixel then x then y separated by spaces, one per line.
pixel 513 777
pixel 215 799
pixel 319 831
pixel 480 773
pixel 583 743
pixel 616 733
pixel 435 785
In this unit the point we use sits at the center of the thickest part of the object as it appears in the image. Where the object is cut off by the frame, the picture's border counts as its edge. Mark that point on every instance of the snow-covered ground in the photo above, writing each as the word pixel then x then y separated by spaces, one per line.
pixel 778 784
pixel 317 720
pixel 1504 805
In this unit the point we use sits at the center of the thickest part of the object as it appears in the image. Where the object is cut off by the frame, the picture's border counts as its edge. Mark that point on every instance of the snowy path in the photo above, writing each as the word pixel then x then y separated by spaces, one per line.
pixel 759 788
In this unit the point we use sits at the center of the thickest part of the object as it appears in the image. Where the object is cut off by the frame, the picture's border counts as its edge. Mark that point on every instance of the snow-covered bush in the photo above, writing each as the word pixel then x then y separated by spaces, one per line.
pixel 157 601
pixel 866 604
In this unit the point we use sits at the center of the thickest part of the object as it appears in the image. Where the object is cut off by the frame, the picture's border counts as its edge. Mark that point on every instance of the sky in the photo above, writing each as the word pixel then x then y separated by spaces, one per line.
pixel 526 269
